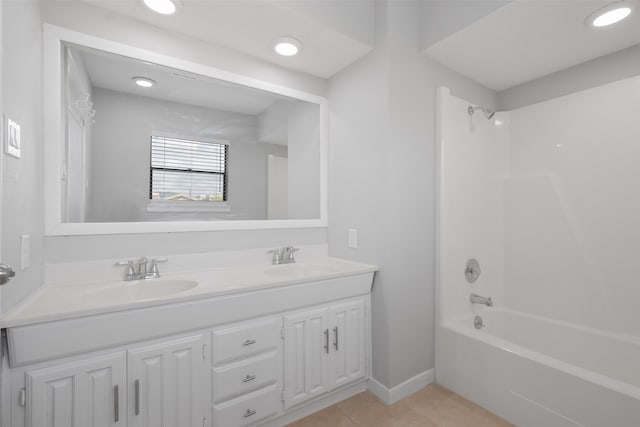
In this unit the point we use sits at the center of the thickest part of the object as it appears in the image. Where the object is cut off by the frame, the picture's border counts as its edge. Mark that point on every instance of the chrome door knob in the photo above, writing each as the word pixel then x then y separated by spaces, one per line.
pixel 6 273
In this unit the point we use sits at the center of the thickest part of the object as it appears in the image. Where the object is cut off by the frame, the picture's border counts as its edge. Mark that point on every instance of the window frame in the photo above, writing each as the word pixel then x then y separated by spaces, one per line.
pixel 195 206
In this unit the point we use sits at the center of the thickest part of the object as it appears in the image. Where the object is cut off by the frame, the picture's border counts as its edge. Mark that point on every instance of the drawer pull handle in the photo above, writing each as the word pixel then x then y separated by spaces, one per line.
pixel 136 404
pixel 249 342
pixel 249 413
pixel 116 404
pixel 335 338
pixel 248 378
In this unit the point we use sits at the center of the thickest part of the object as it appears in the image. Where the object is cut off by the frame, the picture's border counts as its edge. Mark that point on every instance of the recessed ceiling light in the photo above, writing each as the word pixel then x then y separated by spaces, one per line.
pixel 143 81
pixel 287 46
pixel 163 7
pixel 609 15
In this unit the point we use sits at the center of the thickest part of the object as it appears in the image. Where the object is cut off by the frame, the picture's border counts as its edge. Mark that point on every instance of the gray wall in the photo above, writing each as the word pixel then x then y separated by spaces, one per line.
pixel 272 123
pixel 22 198
pixel 382 182
pixel 303 143
pixel 119 185
pixel 297 125
pixel 606 69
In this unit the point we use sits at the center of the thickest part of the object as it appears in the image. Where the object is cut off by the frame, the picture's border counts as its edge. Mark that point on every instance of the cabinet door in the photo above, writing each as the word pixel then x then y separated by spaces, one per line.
pixel 306 355
pixel 347 357
pixel 89 392
pixel 165 383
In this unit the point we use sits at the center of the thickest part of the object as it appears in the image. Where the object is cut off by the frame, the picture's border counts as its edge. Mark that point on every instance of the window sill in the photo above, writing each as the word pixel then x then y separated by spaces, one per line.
pixel 187 206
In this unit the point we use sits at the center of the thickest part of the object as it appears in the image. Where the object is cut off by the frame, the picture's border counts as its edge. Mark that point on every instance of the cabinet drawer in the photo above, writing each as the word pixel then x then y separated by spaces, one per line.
pixel 248 410
pixel 246 339
pixel 246 376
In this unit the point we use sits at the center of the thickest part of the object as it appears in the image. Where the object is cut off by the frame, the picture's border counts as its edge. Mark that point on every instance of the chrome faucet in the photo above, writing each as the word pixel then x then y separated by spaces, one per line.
pixel 284 255
pixel 147 269
pixel 477 299
pixel 142 267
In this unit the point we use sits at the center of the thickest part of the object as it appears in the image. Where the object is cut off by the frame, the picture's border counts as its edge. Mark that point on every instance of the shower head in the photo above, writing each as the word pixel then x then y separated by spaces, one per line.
pixel 487 113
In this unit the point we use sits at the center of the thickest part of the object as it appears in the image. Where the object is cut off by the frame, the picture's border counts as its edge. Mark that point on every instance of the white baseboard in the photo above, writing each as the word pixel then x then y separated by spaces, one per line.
pixel 410 386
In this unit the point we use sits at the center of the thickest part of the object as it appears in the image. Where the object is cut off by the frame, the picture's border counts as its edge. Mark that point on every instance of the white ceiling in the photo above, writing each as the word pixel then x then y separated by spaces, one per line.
pixel 115 72
pixel 334 33
pixel 525 40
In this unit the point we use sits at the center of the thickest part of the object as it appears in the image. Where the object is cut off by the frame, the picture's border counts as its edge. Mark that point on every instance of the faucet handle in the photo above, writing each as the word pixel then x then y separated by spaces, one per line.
pixel 154 270
pixel 289 250
pixel 130 272
pixel 276 255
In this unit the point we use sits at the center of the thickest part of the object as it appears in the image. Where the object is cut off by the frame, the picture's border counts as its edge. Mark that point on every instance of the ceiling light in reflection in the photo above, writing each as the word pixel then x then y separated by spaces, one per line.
pixel 610 14
pixel 143 81
pixel 163 7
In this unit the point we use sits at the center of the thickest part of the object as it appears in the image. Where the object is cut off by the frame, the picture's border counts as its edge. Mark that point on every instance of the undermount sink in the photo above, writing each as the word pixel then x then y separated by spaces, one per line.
pixel 141 290
pixel 299 269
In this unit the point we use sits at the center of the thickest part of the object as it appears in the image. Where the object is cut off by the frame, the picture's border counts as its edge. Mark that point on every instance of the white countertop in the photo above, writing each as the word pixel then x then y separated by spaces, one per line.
pixel 51 303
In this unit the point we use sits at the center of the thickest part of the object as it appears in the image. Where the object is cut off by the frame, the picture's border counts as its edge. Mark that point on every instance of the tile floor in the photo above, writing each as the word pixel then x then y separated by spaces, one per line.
pixel 433 406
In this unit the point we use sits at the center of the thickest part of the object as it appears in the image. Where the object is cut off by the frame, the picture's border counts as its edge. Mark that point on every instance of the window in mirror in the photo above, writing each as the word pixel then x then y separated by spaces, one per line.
pixel 187 170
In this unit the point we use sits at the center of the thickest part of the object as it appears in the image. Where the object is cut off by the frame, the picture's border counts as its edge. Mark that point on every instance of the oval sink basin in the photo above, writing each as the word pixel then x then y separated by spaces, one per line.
pixel 300 269
pixel 141 290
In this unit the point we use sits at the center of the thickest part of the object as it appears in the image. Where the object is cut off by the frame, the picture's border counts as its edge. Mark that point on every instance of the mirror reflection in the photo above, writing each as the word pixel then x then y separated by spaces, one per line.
pixel 144 142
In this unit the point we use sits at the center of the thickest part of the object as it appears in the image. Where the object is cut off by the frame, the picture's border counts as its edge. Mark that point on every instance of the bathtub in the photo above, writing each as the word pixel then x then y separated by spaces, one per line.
pixel 539 372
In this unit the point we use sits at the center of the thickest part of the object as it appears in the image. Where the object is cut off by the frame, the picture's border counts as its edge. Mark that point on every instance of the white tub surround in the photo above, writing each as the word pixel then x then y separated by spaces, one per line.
pixel 544 197
pixel 219 347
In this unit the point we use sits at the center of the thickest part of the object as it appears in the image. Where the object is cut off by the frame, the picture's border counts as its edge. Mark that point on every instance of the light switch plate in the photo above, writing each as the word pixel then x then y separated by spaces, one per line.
pixel 12 142
pixel 25 251
pixel 352 240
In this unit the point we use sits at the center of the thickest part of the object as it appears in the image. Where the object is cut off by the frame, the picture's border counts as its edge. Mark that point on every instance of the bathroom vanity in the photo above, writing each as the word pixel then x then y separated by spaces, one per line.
pixel 227 347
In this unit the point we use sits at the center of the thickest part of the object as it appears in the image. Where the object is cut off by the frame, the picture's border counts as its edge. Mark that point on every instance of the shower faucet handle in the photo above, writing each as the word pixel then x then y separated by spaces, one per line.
pixel 472 270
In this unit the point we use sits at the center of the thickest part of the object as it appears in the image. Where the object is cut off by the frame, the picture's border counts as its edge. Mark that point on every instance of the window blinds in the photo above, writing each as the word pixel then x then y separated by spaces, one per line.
pixel 188 170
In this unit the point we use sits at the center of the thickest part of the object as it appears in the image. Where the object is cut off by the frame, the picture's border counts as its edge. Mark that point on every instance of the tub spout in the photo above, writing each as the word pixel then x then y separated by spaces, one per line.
pixel 477 299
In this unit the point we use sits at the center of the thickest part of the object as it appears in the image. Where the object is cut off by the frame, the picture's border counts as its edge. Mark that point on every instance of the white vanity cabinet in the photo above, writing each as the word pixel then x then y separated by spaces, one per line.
pixel 325 347
pixel 263 357
pixel 165 383
pixel 89 392
pixel 347 357
pixel 156 384
pixel 306 372
pixel 247 372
